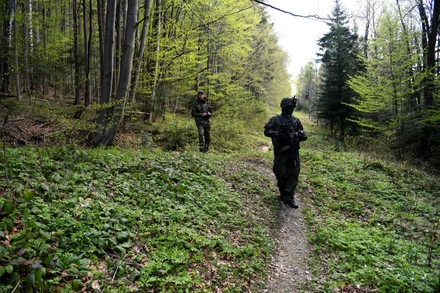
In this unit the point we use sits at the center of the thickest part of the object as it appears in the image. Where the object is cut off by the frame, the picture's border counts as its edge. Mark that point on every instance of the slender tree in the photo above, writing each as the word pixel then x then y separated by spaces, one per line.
pixel 88 29
pixel 76 52
pixel 107 61
pixel 114 113
pixel 307 88
pixel 5 45
pixel 140 52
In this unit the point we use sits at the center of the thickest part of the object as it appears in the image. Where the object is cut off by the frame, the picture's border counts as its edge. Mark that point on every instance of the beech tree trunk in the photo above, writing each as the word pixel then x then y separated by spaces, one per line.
pixel 108 124
pixel 76 51
pixel 5 46
pixel 107 61
pixel 140 52
pixel 16 66
pixel 87 46
pixel 158 23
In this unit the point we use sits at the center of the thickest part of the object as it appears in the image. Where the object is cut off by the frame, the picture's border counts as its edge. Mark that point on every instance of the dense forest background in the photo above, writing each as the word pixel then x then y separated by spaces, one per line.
pixel 374 82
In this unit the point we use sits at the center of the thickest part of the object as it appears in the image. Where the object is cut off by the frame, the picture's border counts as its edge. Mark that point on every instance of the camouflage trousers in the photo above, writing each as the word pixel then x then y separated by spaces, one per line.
pixel 204 130
pixel 286 170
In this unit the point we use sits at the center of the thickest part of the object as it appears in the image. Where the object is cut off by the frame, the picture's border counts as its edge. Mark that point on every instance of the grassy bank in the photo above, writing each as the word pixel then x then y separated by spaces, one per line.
pixel 121 220
pixel 374 223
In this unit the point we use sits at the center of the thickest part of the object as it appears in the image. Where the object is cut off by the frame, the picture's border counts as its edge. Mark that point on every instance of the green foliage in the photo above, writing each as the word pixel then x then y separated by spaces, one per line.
pixel 387 90
pixel 199 53
pixel 307 89
pixel 77 219
pixel 375 225
pixel 230 129
pixel 175 132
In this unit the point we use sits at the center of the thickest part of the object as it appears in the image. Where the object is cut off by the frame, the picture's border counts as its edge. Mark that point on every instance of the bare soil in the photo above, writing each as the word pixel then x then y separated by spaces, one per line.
pixel 289 269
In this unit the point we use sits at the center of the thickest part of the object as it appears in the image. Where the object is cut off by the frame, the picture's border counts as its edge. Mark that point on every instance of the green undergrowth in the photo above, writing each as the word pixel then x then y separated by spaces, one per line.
pixel 115 220
pixel 374 225
pixel 125 220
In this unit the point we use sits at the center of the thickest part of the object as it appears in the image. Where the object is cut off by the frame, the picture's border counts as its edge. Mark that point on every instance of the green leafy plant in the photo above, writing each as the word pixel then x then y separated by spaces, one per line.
pixel 113 218
pixel 374 223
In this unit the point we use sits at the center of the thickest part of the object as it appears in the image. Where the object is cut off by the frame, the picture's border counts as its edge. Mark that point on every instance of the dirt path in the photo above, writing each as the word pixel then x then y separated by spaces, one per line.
pixel 289 270
pixel 288 266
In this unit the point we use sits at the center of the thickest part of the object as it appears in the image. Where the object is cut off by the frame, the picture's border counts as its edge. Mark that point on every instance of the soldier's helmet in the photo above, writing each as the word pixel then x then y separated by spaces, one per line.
pixel 286 102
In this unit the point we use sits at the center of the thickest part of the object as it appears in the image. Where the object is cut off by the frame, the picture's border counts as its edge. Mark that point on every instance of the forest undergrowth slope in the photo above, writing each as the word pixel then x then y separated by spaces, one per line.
pixel 121 220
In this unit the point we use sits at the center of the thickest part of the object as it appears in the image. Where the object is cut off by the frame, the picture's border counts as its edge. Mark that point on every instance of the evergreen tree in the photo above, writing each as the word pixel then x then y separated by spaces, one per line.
pixel 339 50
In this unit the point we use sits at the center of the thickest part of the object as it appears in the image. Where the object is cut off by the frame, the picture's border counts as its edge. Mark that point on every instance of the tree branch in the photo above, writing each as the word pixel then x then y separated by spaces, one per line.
pixel 311 16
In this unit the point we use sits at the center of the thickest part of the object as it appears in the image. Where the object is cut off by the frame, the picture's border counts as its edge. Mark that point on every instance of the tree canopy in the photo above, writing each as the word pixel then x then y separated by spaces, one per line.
pixel 150 57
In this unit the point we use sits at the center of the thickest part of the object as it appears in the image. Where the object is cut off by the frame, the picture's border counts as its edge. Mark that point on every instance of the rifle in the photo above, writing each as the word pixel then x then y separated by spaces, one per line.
pixel 287 133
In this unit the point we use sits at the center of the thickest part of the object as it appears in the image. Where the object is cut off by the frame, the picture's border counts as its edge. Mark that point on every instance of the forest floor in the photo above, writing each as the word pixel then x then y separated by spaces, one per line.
pixel 289 269
pixel 374 193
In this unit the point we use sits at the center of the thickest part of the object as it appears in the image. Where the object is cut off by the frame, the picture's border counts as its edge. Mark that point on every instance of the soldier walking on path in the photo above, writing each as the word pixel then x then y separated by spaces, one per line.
pixel 202 112
pixel 286 132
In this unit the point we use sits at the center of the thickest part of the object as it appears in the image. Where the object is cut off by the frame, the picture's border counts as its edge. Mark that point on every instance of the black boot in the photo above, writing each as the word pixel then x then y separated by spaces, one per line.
pixel 288 200
pixel 291 203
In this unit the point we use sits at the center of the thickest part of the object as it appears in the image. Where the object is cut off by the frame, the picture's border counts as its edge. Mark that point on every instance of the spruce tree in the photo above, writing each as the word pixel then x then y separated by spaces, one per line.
pixel 338 53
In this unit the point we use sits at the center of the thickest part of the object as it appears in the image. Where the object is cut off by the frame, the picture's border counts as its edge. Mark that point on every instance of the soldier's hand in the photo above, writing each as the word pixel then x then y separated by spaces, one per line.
pixel 302 136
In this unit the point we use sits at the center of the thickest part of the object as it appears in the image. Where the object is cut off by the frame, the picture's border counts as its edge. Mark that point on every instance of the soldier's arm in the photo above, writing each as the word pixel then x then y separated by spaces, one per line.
pixel 270 129
pixel 195 111
pixel 302 135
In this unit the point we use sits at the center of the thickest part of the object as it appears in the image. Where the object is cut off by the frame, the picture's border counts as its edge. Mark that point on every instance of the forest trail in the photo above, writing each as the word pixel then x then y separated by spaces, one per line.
pixel 289 269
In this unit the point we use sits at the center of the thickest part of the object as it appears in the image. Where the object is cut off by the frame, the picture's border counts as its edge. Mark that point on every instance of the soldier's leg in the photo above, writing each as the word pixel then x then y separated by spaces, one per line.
pixel 207 136
pixel 200 130
pixel 292 175
pixel 279 169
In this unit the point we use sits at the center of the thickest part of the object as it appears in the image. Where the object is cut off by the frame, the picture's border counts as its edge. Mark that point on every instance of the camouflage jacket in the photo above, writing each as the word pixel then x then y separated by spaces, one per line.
pixel 198 108
pixel 286 133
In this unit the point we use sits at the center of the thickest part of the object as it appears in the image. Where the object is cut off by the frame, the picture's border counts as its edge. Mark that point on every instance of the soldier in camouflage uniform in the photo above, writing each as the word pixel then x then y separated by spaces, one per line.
pixel 286 132
pixel 202 112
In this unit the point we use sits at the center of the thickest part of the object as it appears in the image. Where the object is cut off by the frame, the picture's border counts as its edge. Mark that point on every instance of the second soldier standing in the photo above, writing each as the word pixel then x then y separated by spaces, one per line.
pixel 201 111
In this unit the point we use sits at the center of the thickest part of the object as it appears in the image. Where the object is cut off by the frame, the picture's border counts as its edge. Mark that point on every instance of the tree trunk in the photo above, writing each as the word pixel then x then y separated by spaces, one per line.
pixel 75 52
pixel 107 61
pixel 16 69
pixel 87 46
pixel 5 46
pixel 101 28
pixel 26 48
pixel 140 52
pixel 114 117
pixel 156 67
pixel 117 62
pixel 429 40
